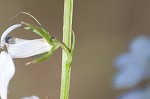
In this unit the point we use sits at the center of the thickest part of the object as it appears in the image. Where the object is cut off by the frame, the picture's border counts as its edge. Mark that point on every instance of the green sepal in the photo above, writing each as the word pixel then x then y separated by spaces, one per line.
pixel 42 58
pixel 30 15
pixel 46 55
pixel 38 31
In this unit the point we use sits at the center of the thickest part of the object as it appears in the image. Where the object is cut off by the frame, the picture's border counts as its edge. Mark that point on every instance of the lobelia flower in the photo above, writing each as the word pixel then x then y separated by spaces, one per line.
pixel 21 48
pixel 31 97
pixel 7 71
pixel 17 48
pixel 137 94
pixel 133 66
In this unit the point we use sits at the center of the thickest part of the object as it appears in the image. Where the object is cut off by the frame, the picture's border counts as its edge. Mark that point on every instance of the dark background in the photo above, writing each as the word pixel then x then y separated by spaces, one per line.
pixel 103 30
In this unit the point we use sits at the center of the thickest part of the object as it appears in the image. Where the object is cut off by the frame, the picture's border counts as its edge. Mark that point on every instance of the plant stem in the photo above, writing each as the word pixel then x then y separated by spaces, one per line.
pixel 66 61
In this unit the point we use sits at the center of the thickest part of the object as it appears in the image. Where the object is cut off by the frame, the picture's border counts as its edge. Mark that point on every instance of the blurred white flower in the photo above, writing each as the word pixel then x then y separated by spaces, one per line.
pixel 130 77
pixel 134 66
pixel 21 48
pixel 7 70
pixel 31 97
pixel 137 94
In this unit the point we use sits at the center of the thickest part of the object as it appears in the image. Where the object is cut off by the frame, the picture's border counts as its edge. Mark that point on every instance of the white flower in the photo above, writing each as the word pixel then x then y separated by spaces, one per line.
pixel 31 97
pixel 21 48
pixel 141 46
pixel 17 48
pixel 26 48
pixel 7 71
pixel 130 77
pixel 133 66
pixel 4 35
pixel 137 94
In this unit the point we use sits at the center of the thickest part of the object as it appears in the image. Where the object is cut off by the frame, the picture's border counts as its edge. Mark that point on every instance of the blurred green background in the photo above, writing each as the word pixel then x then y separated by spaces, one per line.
pixel 103 30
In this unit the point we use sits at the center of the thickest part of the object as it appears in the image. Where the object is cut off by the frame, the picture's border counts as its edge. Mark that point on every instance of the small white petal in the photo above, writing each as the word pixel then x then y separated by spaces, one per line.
pixel 31 97
pixel 27 48
pixel 7 71
pixel 137 94
pixel 34 97
pixel 25 98
pixel 130 78
pixel 131 60
pixel 122 61
pixel 11 28
pixel 141 46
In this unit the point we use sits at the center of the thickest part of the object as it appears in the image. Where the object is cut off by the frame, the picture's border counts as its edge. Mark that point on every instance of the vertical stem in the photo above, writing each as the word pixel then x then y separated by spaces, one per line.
pixel 66 61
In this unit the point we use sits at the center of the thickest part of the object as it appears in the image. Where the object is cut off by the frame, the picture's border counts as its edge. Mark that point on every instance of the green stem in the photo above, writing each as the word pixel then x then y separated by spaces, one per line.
pixel 66 61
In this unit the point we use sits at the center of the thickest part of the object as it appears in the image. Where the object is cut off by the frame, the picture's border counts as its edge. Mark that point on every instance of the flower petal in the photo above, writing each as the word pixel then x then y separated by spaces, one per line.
pixel 27 48
pixel 25 98
pixel 31 97
pixel 137 94
pixel 130 60
pixel 122 61
pixel 141 46
pixel 7 71
pixel 130 78
pixel 11 28
pixel 34 97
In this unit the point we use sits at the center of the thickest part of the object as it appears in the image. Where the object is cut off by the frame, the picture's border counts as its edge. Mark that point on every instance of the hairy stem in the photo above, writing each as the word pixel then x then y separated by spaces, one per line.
pixel 66 61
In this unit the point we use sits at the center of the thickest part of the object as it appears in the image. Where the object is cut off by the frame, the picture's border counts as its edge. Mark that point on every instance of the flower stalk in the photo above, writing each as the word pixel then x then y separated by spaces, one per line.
pixel 66 61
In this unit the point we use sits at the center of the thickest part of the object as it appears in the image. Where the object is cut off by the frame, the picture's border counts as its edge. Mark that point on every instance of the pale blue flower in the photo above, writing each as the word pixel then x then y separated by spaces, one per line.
pixel 137 94
pixel 133 66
